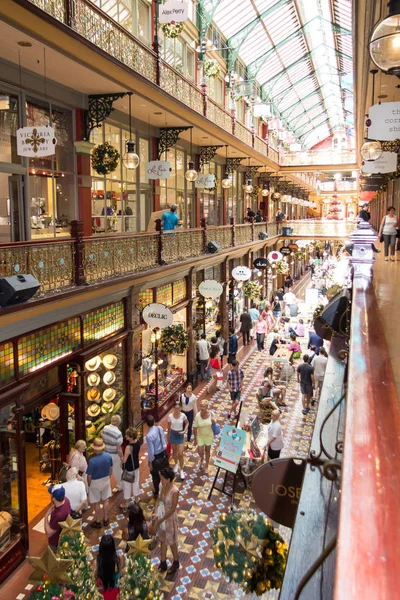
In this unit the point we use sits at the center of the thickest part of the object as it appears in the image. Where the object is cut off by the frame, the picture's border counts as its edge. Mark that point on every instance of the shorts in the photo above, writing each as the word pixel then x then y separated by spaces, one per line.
pixel 99 489
pixel 235 396
pixel 306 389
pixel 175 437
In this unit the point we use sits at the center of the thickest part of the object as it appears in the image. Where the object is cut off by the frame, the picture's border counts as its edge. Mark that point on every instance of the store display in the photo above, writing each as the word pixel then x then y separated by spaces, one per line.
pixel 93 379
pixel 94 410
pixel 169 381
pixel 109 394
pixel 93 394
pixel 5 529
pixel 110 361
pixel 93 364
pixel 50 412
pixel 107 407
pixel 109 378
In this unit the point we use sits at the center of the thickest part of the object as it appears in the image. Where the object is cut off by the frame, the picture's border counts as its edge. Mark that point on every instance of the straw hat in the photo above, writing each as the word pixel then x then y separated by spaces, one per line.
pixel 107 407
pixel 93 394
pixel 93 410
pixel 110 361
pixel 109 377
pixel 98 445
pixel 109 394
pixel 43 412
pixel 93 379
pixel 53 411
pixel 93 363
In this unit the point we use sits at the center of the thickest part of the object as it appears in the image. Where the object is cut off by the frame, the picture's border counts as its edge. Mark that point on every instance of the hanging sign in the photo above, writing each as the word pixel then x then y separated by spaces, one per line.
pixel 209 288
pixel 274 256
pixel 173 12
pixel 36 141
pixel 241 273
pixel 285 250
pixel 260 263
pixel 205 181
pixel 230 448
pixel 262 110
pixel 384 121
pixel 387 163
pixel 158 169
pixel 157 315
pixel 293 247
pixel 276 488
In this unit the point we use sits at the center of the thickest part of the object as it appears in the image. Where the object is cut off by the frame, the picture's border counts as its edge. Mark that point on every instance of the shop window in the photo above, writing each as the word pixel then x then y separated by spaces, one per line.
pixel 144 18
pixel 103 322
pixel 47 345
pixel 215 89
pixel 177 53
pixel 146 297
pixel 7 373
pixel 179 290
pixel 9 496
pixel 9 123
pixel 164 294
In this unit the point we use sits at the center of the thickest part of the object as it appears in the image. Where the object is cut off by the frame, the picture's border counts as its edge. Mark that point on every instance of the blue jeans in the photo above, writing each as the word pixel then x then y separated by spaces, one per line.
pixel 203 367
pixel 190 418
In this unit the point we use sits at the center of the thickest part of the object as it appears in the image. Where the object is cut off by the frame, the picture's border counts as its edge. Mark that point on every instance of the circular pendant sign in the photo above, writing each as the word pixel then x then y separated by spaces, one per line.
pixel 157 315
pixel 241 273
pixel 260 263
pixel 285 251
pixel 209 288
pixel 274 255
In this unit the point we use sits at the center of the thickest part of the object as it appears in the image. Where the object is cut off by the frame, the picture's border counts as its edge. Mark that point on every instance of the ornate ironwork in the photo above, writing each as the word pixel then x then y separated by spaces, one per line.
pixel 168 138
pixel 233 164
pixel 207 153
pixel 266 177
pixel 100 107
pixel 252 170
pixel 314 457
pixel 392 146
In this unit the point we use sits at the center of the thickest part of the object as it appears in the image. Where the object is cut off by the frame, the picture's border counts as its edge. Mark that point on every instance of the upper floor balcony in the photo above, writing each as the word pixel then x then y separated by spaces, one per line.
pixel 318 157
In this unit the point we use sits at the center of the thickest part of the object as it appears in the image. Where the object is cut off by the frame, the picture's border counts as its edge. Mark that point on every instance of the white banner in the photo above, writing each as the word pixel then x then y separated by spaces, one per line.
pixel 173 12
pixel 387 163
pixel 209 288
pixel 385 121
pixel 36 141
pixel 157 315
pixel 205 181
pixel 158 169
pixel 262 110
pixel 241 273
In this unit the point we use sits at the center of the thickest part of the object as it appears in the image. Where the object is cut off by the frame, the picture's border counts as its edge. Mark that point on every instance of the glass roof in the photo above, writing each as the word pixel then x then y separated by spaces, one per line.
pixel 300 52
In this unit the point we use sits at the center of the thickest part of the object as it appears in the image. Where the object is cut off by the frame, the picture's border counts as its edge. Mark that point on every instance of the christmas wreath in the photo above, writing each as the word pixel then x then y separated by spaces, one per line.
pixel 249 551
pixel 105 158
pixel 212 189
pixel 318 311
pixel 172 30
pixel 252 289
pixel 282 267
pixel 211 69
pixel 174 339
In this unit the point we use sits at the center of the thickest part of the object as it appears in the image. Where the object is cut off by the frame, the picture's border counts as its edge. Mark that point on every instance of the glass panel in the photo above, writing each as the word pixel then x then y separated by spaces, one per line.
pixel 144 157
pixel 9 496
pixel 9 123
pixel 103 322
pixel 190 73
pixel 65 204
pixel 38 113
pixel 144 21
pixel 129 207
pixel 62 123
pixel 178 56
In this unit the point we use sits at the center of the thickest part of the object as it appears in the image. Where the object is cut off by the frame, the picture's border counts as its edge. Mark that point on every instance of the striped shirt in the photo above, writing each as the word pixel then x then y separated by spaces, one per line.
pixel 112 437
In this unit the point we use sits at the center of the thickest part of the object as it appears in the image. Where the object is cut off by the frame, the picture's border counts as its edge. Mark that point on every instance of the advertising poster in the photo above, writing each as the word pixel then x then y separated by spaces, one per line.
pixel 230 448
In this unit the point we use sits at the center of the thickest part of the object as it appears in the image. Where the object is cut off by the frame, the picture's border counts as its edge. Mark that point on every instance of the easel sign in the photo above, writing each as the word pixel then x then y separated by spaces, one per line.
pixel 230 448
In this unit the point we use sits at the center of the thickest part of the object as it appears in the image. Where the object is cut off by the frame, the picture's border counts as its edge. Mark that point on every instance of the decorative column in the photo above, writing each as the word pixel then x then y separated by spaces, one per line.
pixel 192 374
pixel 77 234
pixel 83 149
pixel 133 356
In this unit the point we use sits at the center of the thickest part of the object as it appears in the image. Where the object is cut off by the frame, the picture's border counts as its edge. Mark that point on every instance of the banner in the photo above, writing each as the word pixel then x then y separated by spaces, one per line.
pixel 387 163
pixel 157 315
pixel 230 448
pixel 205 181
pixel 158 169
pixel 173 12
pixel 384 121
pixel 36 141
pixel 209 288
pixel 241 273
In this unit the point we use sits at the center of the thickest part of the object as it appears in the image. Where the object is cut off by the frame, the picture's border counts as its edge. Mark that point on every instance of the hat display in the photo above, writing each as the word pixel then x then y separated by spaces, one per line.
pixel 93 379
pixel 98 445
pixel 43 412
pixel 109 377
pixel 107 407
pixel 94 410
pixel 110 361
pixel 93 394
pixel 53 411
pixel 93 363
pixel 109 394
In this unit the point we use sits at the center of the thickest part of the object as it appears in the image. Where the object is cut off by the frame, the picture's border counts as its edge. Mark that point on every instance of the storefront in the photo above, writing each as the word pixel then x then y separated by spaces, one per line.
pixel 208 311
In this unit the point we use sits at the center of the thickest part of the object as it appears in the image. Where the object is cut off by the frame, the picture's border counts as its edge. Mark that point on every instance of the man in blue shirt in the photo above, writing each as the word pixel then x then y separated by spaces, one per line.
pixel 98 477
pixel 315 340
pixel 156 447
pixel 170 218
pixel 255 315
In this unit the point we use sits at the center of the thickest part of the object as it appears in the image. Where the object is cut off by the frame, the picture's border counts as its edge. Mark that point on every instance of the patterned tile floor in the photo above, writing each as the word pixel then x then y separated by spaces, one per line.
pixel 198 578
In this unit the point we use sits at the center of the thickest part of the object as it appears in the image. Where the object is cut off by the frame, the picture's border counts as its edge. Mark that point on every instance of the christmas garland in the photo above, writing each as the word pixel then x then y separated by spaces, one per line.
pixel 282 267
pixel 140 580
pixel 105 158
pixel 211 69
pixel 252 289
pixel 318 311
pixel 249 551
pixel 174 339
pixel 172 30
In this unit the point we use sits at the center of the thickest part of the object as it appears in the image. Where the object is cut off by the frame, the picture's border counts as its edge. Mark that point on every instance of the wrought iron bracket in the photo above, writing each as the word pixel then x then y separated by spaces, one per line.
pixel 266 176
pixel 313 454
pixel 233 164
pixel 100 107
pixel 207 153
pixel 252 170
pixel 168 138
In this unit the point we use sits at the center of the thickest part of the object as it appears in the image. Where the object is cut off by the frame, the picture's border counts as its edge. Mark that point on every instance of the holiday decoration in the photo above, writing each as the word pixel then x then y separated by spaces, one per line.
pixel 139 546
pixel 282 267
pixel 255 192
pixel 318 311
pixel 335 210
pixel 50 568
pixel 252 289
pixel 105 158
pixel 249 551
pixel 174 339
pixel 211 69
pixel 140 580
pixel 51 591
pixel 172 30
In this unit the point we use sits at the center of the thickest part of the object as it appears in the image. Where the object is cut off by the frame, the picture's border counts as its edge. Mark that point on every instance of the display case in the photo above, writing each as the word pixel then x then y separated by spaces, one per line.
pixel 159 396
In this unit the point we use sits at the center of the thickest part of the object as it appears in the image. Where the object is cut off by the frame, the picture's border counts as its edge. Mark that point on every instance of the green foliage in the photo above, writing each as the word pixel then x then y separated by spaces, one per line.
pixel 172 30
pixel 105 158
pixel 73 546
pixel 252 289
pixel 282 267
pixel 211 68
pixel 50 591
pixel 140 579
pixel 174 339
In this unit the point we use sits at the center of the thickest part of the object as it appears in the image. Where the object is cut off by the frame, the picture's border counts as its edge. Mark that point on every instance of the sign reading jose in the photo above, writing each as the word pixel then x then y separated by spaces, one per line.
pixel 209 288
pixel 36 141
pixel 241 273
pixel 173 12
pixel 158 169
pixel 157 315
pixel 276 488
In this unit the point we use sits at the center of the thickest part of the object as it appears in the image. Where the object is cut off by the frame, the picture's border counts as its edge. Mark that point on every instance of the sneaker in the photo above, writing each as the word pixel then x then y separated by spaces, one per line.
pixel 183 475
pixel 176 468
pixel 163 565
pixel 96 525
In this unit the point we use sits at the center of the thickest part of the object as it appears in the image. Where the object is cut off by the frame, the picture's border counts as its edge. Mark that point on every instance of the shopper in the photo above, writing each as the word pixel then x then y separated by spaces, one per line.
pixel 288 283
pixel 319 364
pixel 235 382
pixel 388 230
pixel 177 426
pixel 275 439
pixel 78 461
pixel 232 346
pixel 170 218
pixel 56 514
pixel 166 520
pixel 255 315
pixel 289 298
pixel 136 524
pixel 99 471
pixel 277 307
pixel 108 566
pixel 113 439
pixel 189 408
pixel 294 348
pixel 203 434
pixel 245 327
pixel 261 330
pixel 130 461
pixel 300 329
pixel 203 349
pixel 156 449
pixel 221 345
pixel 305 376
pixel 314 340
pixel 75 491
pixel 279 216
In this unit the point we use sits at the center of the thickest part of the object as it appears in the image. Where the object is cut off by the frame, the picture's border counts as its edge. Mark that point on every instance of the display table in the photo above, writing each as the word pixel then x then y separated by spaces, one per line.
pixel 248 461
pixel 282 355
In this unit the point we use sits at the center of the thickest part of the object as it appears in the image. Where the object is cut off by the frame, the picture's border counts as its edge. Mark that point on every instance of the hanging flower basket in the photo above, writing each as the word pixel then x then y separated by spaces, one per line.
pixel 282 267
pixel 174 339
pixel 252 289
pixel 172 30
pixel 211 69
pixel 105 158
pixel 255 192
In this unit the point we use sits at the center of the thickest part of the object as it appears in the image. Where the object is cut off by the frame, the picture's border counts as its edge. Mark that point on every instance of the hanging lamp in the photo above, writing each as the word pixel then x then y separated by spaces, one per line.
pixel 191 173
pixel 384 46
pixel 227 181
pixel 130 158
pixel 265 190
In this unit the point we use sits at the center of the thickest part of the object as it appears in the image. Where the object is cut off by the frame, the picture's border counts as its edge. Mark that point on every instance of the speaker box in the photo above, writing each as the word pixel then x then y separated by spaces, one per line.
pixel 16 289
pixel 333 317
pixel 262 235
pixel 213 247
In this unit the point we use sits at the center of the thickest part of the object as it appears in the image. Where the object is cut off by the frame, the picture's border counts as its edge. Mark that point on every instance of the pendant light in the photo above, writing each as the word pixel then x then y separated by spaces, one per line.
pixel 384 45
pixel 191 173
pixel 265 190
pixel 248 188
pixel 227 181
pixel 130 158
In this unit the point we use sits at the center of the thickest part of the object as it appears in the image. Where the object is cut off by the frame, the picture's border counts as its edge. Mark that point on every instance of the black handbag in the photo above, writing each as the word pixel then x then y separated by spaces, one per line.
pixel 161 462
pixel 398 233
pixel 128 476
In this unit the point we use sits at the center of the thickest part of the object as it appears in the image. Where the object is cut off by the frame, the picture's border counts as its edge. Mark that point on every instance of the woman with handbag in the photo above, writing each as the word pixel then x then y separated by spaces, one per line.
pixel 177 426
pixel 130 472
pixel 204 434
pixel 189 408
pixel 388 231
pixel 166 520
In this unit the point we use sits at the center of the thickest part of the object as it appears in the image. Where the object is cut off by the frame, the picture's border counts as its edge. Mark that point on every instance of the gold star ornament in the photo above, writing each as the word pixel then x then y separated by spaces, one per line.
pixel 139 546
pixel 48 564
pixel 71 525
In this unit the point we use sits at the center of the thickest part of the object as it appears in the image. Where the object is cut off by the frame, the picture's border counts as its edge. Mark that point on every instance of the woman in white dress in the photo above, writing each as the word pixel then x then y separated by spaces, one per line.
pixel 388 230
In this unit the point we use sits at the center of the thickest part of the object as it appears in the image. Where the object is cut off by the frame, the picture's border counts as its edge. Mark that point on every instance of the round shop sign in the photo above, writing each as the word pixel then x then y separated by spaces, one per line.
pixel 274 256
pixel 260 263
pixel 157 315
pixel 241 273
pixel 285 251
pixel 209 288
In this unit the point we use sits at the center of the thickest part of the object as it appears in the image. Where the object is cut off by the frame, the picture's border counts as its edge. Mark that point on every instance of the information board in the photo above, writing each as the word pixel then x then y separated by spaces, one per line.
pixel 230 448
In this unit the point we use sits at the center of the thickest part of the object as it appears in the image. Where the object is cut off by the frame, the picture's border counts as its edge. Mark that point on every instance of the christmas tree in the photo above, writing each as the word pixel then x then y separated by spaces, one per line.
pixel 51 591
pixel 51 575
pixel 141 579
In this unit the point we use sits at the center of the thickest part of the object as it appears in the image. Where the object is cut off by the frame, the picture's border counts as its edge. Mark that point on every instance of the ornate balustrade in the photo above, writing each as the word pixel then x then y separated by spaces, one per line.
pixel 223 235
pixel 258 228
pixel 260 145
pixel 318 157
pixel 312 228
pixel 175 84
pixel 243 233
pixel 219 116
pixel 180 245
pixel 243 134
